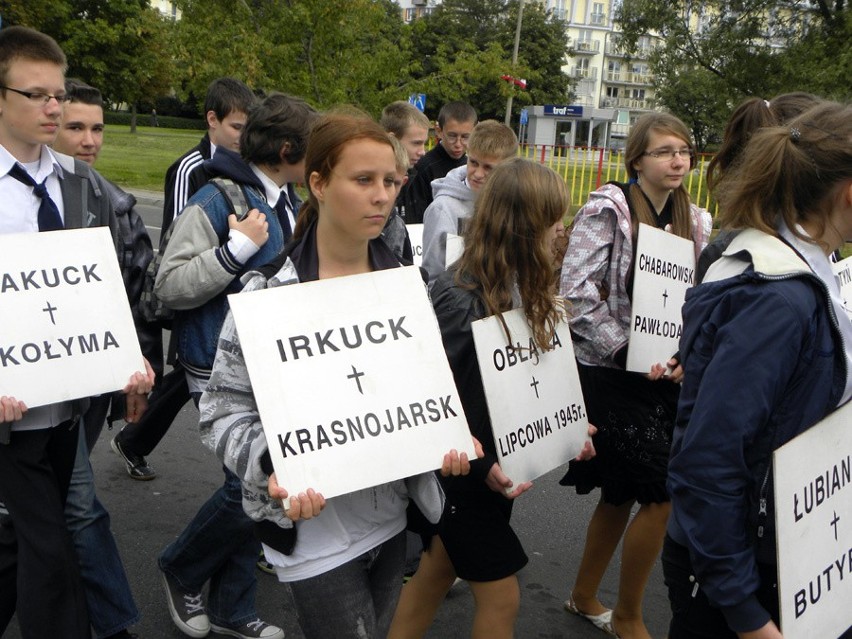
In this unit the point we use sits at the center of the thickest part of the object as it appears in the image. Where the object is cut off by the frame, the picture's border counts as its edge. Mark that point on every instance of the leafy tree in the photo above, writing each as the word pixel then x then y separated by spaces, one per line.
pixel 349 51
pixel 732 49
pixel 464 46
pixel 115 45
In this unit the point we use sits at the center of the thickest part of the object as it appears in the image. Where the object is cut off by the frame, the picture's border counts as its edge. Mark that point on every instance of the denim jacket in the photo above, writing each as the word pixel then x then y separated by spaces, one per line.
pixel 199 272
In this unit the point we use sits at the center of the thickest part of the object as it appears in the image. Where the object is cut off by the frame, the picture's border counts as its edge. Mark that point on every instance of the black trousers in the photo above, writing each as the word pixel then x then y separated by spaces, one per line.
pixel 692 615
pixel 166 401
pixel 39 574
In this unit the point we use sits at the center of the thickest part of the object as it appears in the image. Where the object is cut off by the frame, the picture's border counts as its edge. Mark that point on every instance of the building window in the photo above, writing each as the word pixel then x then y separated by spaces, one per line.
pixel 612 92
pixel 597 16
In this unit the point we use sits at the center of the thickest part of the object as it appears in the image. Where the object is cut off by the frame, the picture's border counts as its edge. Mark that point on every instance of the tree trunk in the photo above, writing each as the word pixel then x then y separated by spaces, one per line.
pixel 133 118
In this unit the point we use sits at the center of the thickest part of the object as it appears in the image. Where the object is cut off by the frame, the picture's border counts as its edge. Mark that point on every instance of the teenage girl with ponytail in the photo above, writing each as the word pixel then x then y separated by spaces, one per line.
pixel 634 412
pixel 766 352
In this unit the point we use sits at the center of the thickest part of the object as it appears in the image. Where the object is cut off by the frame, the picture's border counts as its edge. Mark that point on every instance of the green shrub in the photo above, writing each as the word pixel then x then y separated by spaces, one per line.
pixel 164 121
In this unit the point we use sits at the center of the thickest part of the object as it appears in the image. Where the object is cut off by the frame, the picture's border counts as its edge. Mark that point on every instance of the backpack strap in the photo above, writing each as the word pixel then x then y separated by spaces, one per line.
pixel 233 194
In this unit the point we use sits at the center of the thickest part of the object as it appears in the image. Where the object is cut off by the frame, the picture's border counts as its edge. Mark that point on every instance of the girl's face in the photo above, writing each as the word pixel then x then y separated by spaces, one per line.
pixel 357 197
pixel 659 170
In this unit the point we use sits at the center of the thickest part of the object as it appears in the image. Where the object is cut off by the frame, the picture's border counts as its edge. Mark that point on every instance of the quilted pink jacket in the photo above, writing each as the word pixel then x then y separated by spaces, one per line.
pixel 600 254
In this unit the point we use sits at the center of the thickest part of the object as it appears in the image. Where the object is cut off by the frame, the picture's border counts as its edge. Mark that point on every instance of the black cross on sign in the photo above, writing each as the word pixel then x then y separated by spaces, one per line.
pixel 534 385
pixel 356 376
pixel 665 298
pixel 834 524
pixel 50 309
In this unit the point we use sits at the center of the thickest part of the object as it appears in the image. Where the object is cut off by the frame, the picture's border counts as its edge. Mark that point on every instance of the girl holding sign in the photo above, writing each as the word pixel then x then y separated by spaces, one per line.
pixel 507 263
pixel 767 352
pixel 634 412
pixel 345 566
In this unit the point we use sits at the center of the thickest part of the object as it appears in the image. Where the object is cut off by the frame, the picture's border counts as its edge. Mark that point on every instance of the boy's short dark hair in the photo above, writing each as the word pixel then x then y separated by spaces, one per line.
pixel 227 95
pixel 279 118
pixel 458 111
pixel 82 93
pixel 23 43
pixel 399 115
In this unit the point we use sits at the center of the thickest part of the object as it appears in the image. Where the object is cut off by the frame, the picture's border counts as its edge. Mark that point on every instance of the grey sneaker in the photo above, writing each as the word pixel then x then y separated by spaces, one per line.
pixel 186 610
pixel 256 629
pixel 137 466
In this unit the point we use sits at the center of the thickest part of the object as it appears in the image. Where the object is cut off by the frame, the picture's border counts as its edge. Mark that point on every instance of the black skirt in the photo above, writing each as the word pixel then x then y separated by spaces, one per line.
pixel 635 418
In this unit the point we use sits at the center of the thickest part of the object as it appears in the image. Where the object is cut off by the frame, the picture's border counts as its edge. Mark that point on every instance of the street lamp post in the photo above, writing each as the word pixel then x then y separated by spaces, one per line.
pixel 515 58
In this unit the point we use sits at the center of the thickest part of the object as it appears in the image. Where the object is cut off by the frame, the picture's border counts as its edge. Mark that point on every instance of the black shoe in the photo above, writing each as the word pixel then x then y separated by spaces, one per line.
pixel 186 610
pixel 137 467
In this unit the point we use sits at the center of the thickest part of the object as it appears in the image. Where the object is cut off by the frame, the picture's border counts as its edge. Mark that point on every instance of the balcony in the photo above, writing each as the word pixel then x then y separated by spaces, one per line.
pixel 628 103
pixel 584 73
pixel 628 77
pixel 613 50
pixel 587 46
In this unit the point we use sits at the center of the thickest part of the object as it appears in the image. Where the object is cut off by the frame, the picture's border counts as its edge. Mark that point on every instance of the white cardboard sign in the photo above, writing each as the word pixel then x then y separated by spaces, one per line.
pixel 813 514
pixel 67 328
pixel 415 236
pixel 534 398
pixel 843 273
pixel 455 248
pixel 664 271
pixel 351 380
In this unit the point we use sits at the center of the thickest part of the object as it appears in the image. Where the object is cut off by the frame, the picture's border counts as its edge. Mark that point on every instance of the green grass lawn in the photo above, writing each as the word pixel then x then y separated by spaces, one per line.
pixel 140 160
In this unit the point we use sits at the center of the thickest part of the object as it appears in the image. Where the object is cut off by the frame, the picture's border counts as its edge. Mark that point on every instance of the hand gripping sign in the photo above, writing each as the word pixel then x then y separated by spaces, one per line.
pixel 664 271
pixel 351 380
pixel 534 398
pixel 67 328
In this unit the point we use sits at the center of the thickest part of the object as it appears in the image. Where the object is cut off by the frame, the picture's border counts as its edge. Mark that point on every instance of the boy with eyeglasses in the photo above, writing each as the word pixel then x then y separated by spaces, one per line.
pixel 455 124
pixel 42 191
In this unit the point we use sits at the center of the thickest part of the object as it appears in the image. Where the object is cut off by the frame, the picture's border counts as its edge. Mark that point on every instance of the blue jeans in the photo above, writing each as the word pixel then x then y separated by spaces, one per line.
pixel 356 600
pixel 108 596
pixel 218 546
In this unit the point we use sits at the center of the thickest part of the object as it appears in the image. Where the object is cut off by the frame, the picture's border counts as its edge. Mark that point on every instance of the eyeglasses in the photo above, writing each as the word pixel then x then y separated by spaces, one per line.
pixel 37 97
pixel 667 155
pixel 455 137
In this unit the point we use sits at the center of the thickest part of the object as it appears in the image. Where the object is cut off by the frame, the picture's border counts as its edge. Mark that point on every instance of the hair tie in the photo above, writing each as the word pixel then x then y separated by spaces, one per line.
pixel 795 134
pixel 766 102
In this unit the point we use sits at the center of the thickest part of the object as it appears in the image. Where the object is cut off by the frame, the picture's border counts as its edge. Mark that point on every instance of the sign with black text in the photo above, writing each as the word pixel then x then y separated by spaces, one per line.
pixel 664 271
pixel 843 273
pixel 67 328
pixel 415 236
pixel 813 516
pixel 351 380
pixel 536 406
pixel 455 248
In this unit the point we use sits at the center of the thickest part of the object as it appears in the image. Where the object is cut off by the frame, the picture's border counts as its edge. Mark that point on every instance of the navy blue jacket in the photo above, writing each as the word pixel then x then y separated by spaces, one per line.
pixel 763 362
